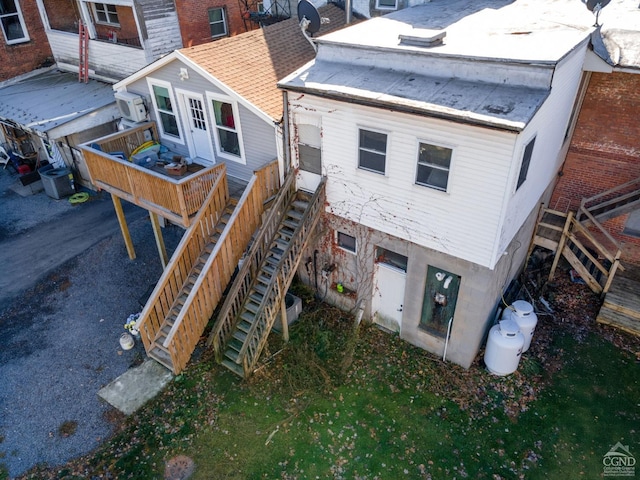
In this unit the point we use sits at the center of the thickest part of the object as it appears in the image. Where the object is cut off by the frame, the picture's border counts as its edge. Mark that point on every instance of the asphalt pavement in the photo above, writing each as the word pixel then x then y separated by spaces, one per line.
pixel 67 286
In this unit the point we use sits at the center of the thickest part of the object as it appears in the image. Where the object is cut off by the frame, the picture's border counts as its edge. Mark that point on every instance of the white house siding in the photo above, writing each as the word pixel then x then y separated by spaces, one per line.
pixel 107 60
pixel 463 222
pixel 160 27
pixel 258 136
pixel 548 126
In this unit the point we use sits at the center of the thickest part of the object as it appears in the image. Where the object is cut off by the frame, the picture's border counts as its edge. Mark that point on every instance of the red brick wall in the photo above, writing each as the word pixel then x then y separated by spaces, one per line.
pixel 62 14
pixel 24 57
pixel 194 19
pixel 127 29
pixel 604 150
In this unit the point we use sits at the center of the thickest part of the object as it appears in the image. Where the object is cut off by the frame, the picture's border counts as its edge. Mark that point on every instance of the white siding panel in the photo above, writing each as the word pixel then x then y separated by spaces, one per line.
pixel 164 35
pixel 463 221
pixel 549 126
pixel 106 59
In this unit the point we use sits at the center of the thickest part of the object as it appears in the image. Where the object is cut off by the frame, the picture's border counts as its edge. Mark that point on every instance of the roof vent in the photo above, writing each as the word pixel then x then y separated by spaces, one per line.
pixel 422 37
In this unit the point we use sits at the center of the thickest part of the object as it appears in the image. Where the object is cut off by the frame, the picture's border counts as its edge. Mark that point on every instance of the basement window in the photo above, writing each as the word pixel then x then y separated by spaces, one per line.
pixel 346 242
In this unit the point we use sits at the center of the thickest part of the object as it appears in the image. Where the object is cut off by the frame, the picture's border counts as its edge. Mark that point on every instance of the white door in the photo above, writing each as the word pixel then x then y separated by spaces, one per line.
pixel 388 296
pixel 200 139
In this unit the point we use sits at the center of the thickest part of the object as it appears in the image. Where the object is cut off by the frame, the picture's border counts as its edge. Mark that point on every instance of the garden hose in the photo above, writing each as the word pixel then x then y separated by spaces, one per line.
pixel 79 197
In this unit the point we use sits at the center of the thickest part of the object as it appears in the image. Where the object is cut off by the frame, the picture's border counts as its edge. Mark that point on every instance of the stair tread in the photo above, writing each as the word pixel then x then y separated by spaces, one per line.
pixel 252 307
pixel 291 224
pixel 233 366
pixel 247 317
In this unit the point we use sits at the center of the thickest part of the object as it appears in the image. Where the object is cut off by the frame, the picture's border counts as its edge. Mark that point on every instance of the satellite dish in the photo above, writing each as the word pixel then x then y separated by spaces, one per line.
pixel 595 6
pixel 308 14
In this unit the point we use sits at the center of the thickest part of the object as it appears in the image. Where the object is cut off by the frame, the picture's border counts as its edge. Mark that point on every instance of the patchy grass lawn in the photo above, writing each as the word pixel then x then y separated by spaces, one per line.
pixel 362 404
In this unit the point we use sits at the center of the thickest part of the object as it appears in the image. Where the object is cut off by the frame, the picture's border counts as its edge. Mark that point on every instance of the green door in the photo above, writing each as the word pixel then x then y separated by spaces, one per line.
pixel 439 303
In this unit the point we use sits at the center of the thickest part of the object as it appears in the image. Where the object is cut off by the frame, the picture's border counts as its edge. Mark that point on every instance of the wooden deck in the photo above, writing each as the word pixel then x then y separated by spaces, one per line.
pixel 621 307
pixel 176 198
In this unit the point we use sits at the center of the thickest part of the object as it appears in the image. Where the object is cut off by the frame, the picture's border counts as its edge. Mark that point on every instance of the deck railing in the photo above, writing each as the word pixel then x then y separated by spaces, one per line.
pixel 182 261
pixel 176 199
pixel 219 267
pixel 228 315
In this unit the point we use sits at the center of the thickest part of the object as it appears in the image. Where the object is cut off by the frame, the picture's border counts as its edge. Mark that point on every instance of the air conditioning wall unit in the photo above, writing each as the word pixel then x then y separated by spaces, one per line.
pixel 131 106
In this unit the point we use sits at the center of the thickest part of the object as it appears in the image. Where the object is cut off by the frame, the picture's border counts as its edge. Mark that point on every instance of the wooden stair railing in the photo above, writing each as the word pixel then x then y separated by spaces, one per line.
pixel 264 298
pixel 595 263
pixel 228 316
pixel 611 203
pixel 173 344
pixel 176 274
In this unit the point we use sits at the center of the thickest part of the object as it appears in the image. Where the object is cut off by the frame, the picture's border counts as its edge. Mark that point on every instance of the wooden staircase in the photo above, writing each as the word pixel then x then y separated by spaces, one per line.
pixel 621 307
pixel 193 283
pixel 257 295
pixel 622 199
pixel 157 350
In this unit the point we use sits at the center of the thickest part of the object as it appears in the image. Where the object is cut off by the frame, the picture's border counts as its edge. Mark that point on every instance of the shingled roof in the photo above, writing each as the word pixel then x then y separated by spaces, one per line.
pixel 252 63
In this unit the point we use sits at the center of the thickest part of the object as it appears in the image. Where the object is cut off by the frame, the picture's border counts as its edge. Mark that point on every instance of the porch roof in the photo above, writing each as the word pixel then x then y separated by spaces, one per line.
pixel 48 100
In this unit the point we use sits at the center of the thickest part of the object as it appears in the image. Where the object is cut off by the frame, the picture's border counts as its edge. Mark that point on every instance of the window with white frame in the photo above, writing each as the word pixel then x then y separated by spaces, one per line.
pixel 387 4
pixel 526 160
pixel 372 151
pixel 309 153
pixel 13 27
pixel 228 139
pixel 434 163
pixel 106 13
pixel 346 242
pixel 165 111
pixel 217 22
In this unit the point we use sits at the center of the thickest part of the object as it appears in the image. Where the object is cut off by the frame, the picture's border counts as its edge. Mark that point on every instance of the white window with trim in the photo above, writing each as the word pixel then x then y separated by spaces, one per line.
pixel 217 22
pixel 165 107
pixel 228 137
pixel 14 29
pixel 387 4
pixel 434 163
pixel 372 151
pixel 105 13
pixel 346 242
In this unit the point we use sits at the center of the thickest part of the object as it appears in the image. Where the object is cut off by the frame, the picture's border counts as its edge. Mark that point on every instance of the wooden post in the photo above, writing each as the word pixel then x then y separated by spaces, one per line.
pixel 123 226
pixel 283 318
pixel 157 232
pixel 563 239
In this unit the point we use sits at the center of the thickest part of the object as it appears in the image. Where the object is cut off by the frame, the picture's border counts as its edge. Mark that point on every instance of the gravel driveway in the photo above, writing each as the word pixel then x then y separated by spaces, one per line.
pixel 59 336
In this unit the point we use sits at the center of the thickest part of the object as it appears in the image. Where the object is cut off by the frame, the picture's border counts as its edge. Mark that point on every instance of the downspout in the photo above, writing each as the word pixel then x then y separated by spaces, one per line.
pixel 348 11
pixel 285 132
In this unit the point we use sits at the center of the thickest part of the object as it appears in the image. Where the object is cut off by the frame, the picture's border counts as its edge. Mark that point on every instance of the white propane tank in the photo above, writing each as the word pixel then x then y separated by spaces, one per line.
pixel 522 313
pixel 504 348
